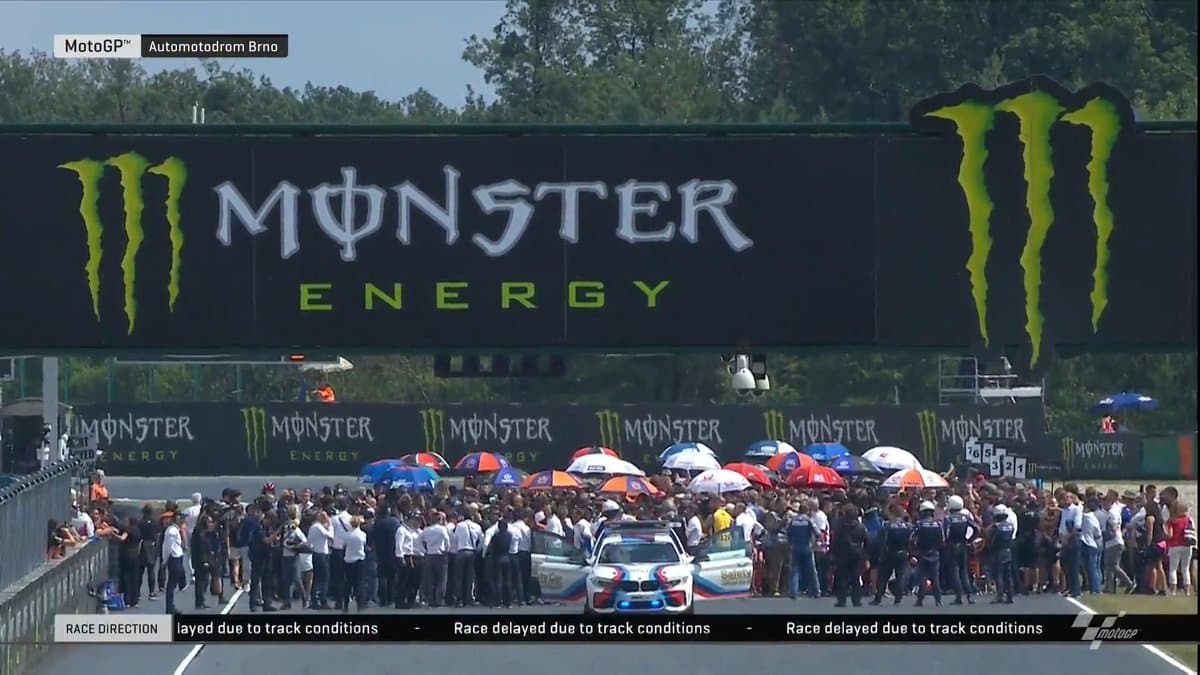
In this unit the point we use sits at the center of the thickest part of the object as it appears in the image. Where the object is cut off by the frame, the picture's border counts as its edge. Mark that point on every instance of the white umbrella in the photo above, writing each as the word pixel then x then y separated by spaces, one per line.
pixel 915 479
pixel 891 459
pixel 692 461
pixel 768 449
pixel 719 481
pixel 606 465
pixel 679 448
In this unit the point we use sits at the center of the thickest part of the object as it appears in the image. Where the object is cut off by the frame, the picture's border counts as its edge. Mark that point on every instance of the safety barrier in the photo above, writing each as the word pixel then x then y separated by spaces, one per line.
pixel 27 610
pixel 26 507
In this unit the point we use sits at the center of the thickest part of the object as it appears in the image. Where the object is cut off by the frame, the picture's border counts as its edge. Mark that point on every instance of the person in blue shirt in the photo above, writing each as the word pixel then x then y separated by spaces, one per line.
pixel 960 533
pixel 893 557
pixel 1000 541
pixel 802 537
pixel 929 538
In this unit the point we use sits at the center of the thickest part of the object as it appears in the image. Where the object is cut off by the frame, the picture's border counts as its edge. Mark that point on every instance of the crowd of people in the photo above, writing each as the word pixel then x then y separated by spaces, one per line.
pixel 338 548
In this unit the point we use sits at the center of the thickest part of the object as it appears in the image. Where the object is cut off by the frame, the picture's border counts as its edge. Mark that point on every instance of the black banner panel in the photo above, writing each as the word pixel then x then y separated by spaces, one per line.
pixel 181 439
pixel 1028 216
pixel 1085 629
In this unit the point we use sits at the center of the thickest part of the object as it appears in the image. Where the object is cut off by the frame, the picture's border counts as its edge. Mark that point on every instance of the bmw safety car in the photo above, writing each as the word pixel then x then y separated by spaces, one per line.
pixel 641 567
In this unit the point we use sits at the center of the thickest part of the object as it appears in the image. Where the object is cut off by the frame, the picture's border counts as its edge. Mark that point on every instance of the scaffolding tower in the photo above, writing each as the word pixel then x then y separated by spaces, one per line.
pixel 966 378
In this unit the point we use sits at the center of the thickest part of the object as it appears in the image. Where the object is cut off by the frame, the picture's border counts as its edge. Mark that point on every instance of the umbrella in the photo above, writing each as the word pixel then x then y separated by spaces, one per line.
pixel 1123 403
pixel 481 462
pixel 788 462
pixel 915 479
pixel 823 452
pixel 685 447
pixel 751 473
pixel 595 450
pixel 550 480
pixel 815 476
pixel 371 473
pixel 719 481
pixel 415 478
pixel 888 458
pixel 851 465
pixel 691 461
pixel 771 473
pixel 592 465
pixel 629 486
pixel 509 477
pixel 766 449
pixel 429 459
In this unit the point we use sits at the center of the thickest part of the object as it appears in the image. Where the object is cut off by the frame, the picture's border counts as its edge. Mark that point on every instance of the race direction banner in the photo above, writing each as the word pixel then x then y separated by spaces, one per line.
pixel 165 439
pixel 1074 628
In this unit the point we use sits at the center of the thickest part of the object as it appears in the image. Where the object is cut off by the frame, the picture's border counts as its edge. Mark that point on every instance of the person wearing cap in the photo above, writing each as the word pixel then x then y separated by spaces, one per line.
pixel 1000 542
pixel 611 513
pixel 960 534
pixel 928 538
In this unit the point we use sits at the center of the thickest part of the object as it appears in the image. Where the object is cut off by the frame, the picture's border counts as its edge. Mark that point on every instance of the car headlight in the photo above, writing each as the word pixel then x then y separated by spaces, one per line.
pixel 608 578
pixel 673 583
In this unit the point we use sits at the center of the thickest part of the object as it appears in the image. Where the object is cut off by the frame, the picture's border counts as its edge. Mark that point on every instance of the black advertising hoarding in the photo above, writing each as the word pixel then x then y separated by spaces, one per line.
pixel 434 242
pixel 1054 457
pixel 308 439
pixel 967 234
pixel 1040 217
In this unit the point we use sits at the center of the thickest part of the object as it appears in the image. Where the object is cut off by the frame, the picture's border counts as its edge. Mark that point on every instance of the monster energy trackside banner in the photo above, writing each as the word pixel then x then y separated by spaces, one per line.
pixel 161 439
pixel 1029 216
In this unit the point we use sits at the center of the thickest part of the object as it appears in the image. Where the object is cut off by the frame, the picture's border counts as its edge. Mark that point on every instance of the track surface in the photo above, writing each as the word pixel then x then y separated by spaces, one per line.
pixel 589 659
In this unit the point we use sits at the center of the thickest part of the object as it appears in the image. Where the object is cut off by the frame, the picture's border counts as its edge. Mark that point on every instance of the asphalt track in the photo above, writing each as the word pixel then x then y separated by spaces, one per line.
pixel 593 659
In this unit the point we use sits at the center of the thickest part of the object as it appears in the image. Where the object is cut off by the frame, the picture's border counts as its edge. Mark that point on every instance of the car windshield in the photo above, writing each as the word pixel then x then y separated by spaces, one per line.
pixel 650 552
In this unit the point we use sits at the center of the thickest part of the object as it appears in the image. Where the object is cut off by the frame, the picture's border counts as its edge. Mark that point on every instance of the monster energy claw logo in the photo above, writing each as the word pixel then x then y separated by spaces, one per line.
pixel 774 425
pixel 433 426
pixel 927 420
pixel 610 429
pixel 1038 105
pixel 1068 454
pixel 131 167
pixel 255 421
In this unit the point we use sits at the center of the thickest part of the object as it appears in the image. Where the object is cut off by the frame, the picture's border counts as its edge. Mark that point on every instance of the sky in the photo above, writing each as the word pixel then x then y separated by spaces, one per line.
pixel 391 48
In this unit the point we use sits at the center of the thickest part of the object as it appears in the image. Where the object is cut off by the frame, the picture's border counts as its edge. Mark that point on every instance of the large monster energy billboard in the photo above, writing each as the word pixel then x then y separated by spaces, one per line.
pixel 1029 215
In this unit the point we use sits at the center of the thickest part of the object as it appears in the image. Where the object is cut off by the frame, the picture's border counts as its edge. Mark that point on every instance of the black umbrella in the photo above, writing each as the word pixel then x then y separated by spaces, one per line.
pixel 853 465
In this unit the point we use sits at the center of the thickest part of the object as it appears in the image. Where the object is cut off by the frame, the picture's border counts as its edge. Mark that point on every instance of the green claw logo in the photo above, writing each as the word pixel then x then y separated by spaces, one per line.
pixel 132 168
pixel 1038 105
pixel 255 421
pixel 609 422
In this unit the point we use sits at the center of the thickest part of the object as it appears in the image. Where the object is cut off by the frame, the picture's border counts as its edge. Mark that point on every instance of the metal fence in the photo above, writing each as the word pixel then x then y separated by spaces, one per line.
pixel 26 507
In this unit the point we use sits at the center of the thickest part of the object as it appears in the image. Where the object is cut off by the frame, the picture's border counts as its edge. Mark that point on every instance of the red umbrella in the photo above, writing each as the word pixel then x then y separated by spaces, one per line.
pixel 481 462
pixel 430 459
pixel 786 462
pixel 751 472
pixel 815 476
pixel 595 450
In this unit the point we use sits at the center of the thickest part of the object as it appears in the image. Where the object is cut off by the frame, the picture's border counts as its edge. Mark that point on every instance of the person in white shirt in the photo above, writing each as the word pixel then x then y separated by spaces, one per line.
pixel 434 544
pixel 820 519
pixel 408 575
pixel 552 523
pixel 467 541
pixel 524 525
pixel 694 529
pixel 82 523
pixel 340 524
pixel 746 520
pixel 1113 538
pixel 319 537
pixel 1091 537
pixel 1068 534
pixel 190 515
pixel 354 553
pixel 172 554
pixel 582 531
pixel 296 553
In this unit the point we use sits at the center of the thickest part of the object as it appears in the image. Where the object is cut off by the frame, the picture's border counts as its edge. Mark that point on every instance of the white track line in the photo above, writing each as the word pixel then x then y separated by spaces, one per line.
pixel 1167 658
pixel 191 656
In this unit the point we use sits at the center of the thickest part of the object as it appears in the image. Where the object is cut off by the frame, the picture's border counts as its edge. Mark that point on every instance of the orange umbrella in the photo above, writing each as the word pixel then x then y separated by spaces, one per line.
pixel 815 476
pixel 551 480
pixel 595 450
pixel 787 462
pixel 751 472
pixel 630 486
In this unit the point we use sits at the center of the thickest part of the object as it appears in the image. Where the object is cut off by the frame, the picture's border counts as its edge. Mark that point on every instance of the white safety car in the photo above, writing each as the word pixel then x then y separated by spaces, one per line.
pixel 641 567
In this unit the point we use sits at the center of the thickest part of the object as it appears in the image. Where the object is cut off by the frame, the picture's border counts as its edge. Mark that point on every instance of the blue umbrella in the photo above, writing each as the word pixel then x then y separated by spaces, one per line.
pixel 414 478
pixel 509 477
pixel 371 473
pixel 768 449
pixel 685 447
pixel 823 452
pixel 853 465
pixel 1123 402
